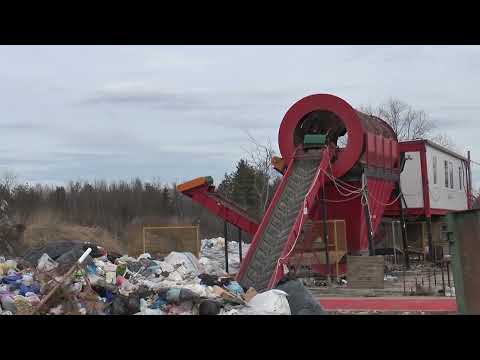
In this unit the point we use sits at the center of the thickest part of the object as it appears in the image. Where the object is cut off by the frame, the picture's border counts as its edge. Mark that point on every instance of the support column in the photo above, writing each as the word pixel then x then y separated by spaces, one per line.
pixel 431 248
pixel 426 201
pixel 469 182
pixel 225 236
pixel 240 244
pixel 368 220
pixel 404 231
pixel 325 232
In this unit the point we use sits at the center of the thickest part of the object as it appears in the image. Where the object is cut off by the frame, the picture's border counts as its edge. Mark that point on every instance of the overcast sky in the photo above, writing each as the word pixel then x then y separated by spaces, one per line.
pixel 178 112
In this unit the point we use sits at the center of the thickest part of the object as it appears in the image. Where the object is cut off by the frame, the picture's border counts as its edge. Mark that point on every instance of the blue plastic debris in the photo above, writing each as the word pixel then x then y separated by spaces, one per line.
pixel 24 289
pixel 91 269
pixel 158 304
pixel 109 296
pixel 11 279
pixel 235 288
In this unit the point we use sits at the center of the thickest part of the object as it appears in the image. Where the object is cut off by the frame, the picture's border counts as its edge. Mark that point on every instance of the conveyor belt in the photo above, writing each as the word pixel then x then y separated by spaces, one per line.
pixel 272 241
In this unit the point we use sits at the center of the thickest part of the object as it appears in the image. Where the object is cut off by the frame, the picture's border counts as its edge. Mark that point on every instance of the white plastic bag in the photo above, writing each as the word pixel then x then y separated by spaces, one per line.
pixel 46 263
pixel 165 267
pixel 211 267
pixel 150 312
pixel 144 256
pixel 271 302
pixel 188 261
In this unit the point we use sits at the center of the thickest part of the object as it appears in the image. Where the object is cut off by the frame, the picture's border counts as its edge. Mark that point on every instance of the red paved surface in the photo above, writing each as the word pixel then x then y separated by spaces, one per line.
pixel 426 304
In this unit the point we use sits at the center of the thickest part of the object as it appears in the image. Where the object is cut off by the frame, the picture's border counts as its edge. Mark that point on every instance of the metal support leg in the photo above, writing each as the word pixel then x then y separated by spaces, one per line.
pixel 448 274
pixel 368 220
pixel 431 249
pixel 443 280
pixel 325 233
pixel 403 224
pixel 225 236
pixel 240 244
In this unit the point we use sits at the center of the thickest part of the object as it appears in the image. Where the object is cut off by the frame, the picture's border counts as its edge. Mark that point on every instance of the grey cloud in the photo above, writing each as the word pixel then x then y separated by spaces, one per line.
pixel 185 100
pixel 19 126
pixel 459 107
pixel 164 100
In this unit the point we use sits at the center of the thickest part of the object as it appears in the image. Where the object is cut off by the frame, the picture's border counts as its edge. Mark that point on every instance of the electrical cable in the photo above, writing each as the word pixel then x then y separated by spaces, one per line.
pixel 385 204
pixel 344 200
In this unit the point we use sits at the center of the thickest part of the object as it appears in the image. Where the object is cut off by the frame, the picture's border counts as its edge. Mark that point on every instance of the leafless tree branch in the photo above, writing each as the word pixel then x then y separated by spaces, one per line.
pixel 408 123
pixel 260 156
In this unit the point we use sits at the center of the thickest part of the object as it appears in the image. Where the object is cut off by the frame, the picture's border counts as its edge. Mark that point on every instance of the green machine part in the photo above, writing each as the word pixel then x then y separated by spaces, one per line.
pixel 314 140
pixel 464 241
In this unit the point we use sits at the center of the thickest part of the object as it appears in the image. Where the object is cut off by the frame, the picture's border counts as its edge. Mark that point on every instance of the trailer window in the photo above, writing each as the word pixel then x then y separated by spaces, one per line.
pixel 451 175
pixel 460 177
pixel 446 173
pixel 434 162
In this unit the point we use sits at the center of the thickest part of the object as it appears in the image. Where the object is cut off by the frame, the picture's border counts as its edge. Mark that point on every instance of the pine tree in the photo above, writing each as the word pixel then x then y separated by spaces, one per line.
pixel 166 202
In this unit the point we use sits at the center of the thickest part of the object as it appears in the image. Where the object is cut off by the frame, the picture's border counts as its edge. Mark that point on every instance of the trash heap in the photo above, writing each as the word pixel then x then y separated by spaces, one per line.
pixel 52 280
pixel 213 255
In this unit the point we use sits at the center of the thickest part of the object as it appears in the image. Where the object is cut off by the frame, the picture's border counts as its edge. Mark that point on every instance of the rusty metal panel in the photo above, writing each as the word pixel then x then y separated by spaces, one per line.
pixel 464 236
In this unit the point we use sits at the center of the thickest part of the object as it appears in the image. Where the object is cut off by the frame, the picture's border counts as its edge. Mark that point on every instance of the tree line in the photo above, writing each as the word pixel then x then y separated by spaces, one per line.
pixel 115 205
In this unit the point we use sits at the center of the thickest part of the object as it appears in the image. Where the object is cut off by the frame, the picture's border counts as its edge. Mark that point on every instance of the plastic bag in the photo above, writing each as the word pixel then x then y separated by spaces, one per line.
pixel 235 288
pixel 150 312
pixel 165 266
pixel 271 302
pixel 144 256
pixel 188 261
pixel 6 266
pixel 46 263
pixel 175 277
pixel 126 288
pixel 8 303
pixel 23 306
pixel 211 267
pixel 27 279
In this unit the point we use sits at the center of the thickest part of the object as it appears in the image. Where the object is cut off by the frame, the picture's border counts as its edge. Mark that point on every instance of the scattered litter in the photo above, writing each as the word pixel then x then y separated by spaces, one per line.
pixel 213 256
pixel 46 263
pixel 68 277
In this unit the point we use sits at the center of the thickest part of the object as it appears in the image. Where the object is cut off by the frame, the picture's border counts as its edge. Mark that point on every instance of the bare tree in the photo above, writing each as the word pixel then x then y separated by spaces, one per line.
pixel 260 156
pixel 8 180
pixel 408 123
pixel 444 140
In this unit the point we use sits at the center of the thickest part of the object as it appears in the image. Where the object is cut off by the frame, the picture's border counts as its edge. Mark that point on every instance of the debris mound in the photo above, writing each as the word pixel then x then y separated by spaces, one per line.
pixel 80 278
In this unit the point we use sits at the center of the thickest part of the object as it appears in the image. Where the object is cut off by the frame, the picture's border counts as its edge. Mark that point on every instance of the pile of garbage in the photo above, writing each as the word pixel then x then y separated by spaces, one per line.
pixel 213 255
pixel 74 278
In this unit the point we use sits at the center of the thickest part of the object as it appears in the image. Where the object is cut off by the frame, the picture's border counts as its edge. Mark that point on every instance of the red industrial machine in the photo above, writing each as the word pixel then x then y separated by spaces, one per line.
pixel 325 187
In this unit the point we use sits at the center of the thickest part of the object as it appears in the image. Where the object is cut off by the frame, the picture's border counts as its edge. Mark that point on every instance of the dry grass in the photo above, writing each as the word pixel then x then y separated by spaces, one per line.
pixel 46 227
